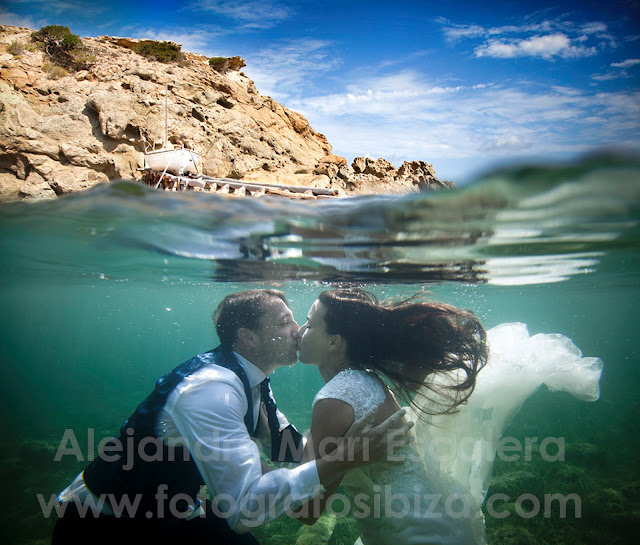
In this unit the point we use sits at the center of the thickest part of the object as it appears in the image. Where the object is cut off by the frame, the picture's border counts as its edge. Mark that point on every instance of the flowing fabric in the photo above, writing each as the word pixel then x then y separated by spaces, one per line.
pixel 452 458
pixel 465 443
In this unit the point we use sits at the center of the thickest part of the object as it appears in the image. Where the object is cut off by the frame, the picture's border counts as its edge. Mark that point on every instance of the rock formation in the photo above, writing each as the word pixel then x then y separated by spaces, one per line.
pixel 65 131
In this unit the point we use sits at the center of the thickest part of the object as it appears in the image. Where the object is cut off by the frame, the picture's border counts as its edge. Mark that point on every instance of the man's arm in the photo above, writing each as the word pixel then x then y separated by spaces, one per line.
pixel 210 417
pixel 364 443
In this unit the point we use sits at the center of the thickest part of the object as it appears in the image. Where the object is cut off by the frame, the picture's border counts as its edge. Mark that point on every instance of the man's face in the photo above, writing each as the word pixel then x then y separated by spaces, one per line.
pixel 313 340
pixel 277 332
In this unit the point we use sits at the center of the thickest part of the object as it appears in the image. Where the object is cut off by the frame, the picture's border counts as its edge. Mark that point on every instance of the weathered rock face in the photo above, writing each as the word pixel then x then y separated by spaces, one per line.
pixel 366 176
pixel 65 132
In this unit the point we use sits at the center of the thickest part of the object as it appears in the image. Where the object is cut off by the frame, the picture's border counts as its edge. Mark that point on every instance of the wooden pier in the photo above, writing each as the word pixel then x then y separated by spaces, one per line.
pixel 232 187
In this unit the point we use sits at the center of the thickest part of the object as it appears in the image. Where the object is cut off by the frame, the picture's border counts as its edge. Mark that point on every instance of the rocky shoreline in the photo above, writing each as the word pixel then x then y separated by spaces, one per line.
pixel 64 131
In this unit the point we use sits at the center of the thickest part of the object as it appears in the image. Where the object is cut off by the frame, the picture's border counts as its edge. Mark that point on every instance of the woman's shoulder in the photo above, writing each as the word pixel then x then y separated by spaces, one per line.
pixel 360 389
pixel 345 381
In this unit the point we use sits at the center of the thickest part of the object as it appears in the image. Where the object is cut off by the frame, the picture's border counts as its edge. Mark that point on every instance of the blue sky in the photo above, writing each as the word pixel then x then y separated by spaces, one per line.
pixel 464 85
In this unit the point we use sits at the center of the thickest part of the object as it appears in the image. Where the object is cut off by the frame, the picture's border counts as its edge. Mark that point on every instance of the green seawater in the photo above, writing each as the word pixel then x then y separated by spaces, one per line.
pixel 103 292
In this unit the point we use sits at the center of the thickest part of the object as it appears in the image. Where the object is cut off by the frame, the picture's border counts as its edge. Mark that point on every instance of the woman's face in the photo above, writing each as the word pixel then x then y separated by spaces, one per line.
pixel 313 340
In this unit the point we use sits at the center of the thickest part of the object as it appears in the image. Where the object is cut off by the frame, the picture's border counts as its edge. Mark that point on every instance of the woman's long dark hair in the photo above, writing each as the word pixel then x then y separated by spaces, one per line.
pixel 430 349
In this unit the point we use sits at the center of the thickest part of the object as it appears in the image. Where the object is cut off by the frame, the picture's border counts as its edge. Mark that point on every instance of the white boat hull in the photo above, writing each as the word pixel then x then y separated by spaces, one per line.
pixel 173 161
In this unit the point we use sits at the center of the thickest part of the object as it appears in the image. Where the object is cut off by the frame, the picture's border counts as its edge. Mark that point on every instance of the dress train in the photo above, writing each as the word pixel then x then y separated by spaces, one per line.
pixel 464 444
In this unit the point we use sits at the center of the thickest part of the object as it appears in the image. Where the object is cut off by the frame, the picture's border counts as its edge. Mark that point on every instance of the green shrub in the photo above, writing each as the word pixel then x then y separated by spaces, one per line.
pixel 159 51
pixel 54 71
pixel 62 46
pixel 16 48
pixel 219 64
pixel 57 38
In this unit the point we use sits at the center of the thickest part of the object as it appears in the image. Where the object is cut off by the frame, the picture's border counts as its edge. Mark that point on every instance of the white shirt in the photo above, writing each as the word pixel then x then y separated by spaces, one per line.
pixel 207 410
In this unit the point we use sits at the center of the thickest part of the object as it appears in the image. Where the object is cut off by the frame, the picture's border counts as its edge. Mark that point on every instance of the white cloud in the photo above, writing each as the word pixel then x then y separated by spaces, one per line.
pixel 547 39
pixel 454 32
pixel 546 47
pixel 544 26
pixel 12 19
pixel 253 14
pixel 509 142
pixel 594 27
pixel 619 70
pixel 626 63
pixel 74 8
pixel 404 117
pixel 284 69
pixel 606 77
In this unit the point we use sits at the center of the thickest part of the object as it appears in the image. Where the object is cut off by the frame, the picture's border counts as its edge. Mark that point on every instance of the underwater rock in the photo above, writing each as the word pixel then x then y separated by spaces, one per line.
pixel 604 503
pixel 346 532
pixel 632 491
pixel 513 535
pixel 514 483
pixel 587 454
pixel 318 534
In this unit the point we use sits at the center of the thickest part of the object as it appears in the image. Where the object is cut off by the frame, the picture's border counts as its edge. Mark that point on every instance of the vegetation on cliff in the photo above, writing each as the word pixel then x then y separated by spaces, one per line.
pixel 159 51
pixel 62 46
pixel 224 64
pixel 219 64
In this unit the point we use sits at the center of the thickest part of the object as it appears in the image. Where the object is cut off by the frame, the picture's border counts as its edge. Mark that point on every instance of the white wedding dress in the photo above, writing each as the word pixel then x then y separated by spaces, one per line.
pixel 434 496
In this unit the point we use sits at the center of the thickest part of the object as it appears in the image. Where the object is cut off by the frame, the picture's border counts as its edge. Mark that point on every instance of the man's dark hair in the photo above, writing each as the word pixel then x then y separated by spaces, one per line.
pixel 242 309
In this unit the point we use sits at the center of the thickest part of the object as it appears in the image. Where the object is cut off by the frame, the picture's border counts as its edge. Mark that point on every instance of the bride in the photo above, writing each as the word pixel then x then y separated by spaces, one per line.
pixel 435 358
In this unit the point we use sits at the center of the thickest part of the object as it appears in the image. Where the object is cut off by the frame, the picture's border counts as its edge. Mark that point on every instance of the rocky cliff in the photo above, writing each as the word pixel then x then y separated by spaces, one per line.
pixel 63 131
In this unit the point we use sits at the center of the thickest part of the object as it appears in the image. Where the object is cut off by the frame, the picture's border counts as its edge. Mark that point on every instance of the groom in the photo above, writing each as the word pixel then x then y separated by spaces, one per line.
pixel 202 424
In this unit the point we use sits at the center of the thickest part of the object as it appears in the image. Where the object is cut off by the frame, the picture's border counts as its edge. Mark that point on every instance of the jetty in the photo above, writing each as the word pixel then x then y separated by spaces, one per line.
pixel 232 187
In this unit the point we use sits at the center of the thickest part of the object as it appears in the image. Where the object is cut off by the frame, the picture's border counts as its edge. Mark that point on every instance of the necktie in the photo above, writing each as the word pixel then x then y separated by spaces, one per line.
pixel 269 404
pixel 280 452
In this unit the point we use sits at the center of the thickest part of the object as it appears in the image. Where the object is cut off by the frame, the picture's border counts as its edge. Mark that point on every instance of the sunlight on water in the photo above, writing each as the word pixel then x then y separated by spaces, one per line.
pixel 511 228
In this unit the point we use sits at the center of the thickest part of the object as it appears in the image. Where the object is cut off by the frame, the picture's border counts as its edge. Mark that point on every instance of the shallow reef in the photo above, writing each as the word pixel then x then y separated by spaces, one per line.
pixel 603 485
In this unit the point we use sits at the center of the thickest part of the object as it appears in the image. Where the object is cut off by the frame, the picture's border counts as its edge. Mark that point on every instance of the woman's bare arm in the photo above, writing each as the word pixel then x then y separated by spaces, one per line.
pixel 330 420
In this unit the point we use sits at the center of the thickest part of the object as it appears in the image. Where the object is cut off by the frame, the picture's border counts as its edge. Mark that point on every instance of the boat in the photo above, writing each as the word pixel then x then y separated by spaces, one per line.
pixel 172 160
pixel 168 158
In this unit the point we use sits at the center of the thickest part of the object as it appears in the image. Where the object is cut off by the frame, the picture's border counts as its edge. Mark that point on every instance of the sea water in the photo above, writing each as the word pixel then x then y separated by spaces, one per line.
pixel 104 291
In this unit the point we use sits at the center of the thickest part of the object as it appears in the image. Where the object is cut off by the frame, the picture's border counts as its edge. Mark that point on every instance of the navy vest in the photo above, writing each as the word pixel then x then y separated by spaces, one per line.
pixel 173 466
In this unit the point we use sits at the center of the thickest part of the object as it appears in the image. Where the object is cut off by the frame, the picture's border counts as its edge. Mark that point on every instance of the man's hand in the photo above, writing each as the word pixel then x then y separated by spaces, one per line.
pixel 364 443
